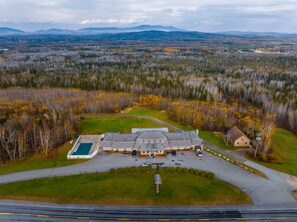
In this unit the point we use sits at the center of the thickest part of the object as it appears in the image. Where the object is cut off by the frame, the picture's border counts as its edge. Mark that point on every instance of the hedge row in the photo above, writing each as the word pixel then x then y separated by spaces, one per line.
pixel 131 169
pixel 148 169
pixel 208 175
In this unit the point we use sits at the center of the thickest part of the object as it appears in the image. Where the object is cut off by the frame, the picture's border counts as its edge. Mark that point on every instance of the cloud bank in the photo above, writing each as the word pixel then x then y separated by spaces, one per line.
pixel 208 16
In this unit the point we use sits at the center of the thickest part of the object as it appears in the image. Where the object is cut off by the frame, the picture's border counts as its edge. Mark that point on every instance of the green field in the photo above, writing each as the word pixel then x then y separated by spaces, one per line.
pixel 285 146
pixel 98 125
pixel 216 138
pixel 35 162
pixel 162 115
pixel 127 189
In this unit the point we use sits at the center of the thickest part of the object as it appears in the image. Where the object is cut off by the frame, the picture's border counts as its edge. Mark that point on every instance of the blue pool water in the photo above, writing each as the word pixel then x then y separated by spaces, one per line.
pixel 83 149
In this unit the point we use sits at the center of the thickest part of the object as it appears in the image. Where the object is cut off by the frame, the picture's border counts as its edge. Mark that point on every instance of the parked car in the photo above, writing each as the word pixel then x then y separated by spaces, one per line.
pixel 134 153
pixel 199 152
pixel 173 153
pixel 146 164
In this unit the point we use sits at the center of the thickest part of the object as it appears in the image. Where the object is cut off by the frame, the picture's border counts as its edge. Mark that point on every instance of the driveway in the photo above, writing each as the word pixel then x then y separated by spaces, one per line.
pixel 262 191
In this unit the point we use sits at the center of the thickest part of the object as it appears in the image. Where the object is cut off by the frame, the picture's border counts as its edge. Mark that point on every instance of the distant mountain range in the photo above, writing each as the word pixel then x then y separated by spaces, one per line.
pixel 259 34
pixel 90 31
pixel 142 32
pixel 10 31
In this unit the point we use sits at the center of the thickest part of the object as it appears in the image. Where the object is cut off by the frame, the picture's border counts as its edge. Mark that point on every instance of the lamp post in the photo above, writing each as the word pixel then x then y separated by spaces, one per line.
pixel 257 141
pixel 226 139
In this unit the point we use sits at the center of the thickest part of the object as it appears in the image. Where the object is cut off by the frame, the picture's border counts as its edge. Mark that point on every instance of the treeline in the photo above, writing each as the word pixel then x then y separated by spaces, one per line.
pixel 215 116
pixel 39 121
pixel 25 135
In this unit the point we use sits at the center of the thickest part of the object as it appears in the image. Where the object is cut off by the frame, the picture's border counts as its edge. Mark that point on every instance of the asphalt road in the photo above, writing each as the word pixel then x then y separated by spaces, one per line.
pixel 262 191
pixel 28 211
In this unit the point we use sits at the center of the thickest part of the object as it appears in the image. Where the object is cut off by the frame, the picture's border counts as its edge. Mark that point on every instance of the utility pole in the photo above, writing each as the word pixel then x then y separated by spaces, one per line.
pixel 257 141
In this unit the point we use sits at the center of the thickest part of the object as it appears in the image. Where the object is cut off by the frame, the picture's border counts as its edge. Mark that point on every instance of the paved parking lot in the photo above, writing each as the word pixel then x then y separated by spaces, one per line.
pixel 262 191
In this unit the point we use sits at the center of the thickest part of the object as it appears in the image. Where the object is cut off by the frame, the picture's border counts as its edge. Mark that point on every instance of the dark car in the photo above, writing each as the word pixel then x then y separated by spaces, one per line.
pixel 134 153
pixel 173 153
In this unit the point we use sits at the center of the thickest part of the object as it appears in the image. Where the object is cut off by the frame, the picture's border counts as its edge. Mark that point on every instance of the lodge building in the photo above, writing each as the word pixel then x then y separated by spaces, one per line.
pixel 151 142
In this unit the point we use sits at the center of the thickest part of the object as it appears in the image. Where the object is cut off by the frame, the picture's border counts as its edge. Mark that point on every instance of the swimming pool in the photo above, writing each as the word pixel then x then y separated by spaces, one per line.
pixel 83 149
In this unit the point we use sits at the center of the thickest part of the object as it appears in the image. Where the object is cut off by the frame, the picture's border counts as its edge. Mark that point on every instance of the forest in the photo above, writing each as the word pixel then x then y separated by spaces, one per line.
pixel 210 84
pixel 40 120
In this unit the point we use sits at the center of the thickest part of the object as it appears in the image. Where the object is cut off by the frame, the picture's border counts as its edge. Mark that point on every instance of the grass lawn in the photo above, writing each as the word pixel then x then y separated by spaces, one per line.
pixel 162 115
pixel 216 138
pixel 127 189
pixel 35 162
pixel 98 125
pixel 285 146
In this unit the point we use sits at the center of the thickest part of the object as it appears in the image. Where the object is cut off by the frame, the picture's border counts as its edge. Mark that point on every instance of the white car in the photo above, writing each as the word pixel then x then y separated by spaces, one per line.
pixel 146 164
pixel 199 152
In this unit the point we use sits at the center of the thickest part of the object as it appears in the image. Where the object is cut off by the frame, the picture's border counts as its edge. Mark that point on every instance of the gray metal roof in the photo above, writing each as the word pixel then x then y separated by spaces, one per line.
pixel 137 130
pixel 151 136
pixel 151 140
pixel 151 147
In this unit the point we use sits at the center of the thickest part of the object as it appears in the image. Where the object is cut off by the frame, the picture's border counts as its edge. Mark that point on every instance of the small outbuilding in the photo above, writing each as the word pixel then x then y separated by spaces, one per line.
pixel 158 182
pixel 237 137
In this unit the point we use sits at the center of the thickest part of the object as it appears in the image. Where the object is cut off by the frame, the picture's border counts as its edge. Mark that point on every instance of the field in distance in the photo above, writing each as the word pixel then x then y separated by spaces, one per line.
pixel 99 125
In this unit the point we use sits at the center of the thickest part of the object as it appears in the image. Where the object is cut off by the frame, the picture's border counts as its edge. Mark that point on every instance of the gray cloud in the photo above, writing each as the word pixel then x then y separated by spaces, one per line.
pixel 211 15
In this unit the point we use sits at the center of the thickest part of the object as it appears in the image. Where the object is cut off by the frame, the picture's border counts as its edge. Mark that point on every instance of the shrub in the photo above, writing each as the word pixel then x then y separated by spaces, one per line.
pixel 191 171
pixel 184 170
pixel 272 158
pixel 139 169
pixel 210 175
pixel 263 157
pixel 178 169
pixel 171 170
pixel 157 168
pixel 126 170
pixel 112 171
pixel 120 170
pixel 196 172
pixel 133 169
pixel 202 173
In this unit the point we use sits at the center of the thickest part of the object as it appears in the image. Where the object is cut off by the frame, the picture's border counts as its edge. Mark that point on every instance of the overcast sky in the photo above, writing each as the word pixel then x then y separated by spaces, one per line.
pixel 198 15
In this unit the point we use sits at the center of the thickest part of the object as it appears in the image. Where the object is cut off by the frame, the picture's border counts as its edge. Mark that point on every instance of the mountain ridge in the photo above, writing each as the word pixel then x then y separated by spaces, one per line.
pixel 91 30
